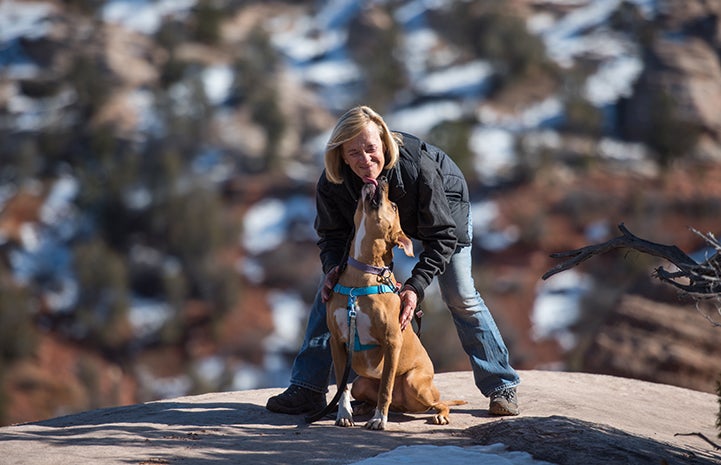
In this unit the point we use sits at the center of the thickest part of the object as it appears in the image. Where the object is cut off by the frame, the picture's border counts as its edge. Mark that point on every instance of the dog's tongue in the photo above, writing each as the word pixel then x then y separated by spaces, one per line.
pixel 370 189
pixel 369 180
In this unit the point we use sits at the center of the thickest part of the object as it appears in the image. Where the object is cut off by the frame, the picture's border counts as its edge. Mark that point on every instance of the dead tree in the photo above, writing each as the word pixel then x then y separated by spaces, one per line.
pixel 701 281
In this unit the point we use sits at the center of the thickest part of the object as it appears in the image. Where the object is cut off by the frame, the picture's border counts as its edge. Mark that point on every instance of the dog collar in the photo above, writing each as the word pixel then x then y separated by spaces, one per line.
pixel 364 267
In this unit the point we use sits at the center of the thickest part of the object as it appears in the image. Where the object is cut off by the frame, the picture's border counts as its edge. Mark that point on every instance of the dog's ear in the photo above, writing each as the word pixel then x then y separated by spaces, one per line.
pixel 406 244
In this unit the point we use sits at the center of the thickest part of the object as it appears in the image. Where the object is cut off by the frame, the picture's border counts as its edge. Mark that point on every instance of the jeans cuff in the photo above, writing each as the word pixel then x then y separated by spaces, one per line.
pixel 502 387
pixel 313 388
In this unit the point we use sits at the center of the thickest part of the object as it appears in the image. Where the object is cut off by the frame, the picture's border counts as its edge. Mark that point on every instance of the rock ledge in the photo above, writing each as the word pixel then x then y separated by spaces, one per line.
pixel 567 418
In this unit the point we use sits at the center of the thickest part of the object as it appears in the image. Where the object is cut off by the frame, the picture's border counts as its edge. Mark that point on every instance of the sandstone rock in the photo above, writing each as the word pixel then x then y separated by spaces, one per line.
pixel 657 341
pixel 688 72
pixel 570 418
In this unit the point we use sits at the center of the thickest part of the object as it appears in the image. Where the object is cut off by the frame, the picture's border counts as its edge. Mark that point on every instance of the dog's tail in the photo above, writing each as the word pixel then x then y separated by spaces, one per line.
pixel 453 403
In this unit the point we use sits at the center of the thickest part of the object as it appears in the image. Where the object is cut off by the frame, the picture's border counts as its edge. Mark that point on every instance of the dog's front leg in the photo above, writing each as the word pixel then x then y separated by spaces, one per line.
pixel 345 410
pixel 344 416
pixel 391 356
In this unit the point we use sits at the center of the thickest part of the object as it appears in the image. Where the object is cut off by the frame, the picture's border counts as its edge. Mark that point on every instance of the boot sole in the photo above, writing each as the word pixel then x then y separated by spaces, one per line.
pixel 292 410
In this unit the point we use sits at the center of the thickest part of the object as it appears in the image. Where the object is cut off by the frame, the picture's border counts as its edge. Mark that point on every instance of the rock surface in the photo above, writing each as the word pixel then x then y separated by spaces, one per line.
pixel 567 418
pixel 656 341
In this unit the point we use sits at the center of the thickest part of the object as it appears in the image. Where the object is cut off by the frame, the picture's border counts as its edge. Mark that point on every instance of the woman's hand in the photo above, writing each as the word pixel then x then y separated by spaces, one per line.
pixel 328 284
pixel 409 302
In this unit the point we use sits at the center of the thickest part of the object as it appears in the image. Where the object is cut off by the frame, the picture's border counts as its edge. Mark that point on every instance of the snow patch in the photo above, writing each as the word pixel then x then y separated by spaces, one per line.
pixel 142 15
pixel 558 307
pixel 267 223
pixel 494 454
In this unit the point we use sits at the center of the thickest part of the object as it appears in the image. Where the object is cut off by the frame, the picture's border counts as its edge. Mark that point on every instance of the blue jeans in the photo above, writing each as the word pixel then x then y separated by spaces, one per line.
pixel 476 329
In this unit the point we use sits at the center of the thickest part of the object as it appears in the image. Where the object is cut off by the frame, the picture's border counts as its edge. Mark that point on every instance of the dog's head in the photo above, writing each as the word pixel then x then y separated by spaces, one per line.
pixel 377 217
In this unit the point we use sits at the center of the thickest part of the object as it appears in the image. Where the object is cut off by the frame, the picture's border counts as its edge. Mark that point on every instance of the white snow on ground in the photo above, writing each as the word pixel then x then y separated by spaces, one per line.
pixel 418 51
pixel 217 82
pixel 263 226
pixel 613 80
pixel 486 233
pixel 289 313
pixel 460 79
pixel 495 153
pixel 558 306
pixel 148 316
pixel 268 222
pixel 142 15
pixel 533 116
pixel 35 114
pixel 289 317
pixel 421 119
pixel 301 40
pixel 565 39
pixel 495 454
pixel 24 19
pixel 331 73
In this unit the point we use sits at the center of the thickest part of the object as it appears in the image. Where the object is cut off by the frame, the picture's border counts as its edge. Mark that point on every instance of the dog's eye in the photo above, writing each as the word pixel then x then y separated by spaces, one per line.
pixel 394 207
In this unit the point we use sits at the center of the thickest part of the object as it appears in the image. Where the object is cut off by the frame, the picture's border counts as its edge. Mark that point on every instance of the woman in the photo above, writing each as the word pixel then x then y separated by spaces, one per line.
pixel 432 198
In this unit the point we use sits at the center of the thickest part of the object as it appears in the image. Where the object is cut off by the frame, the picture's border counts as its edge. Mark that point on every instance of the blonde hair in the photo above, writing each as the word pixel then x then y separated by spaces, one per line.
pixel 349 126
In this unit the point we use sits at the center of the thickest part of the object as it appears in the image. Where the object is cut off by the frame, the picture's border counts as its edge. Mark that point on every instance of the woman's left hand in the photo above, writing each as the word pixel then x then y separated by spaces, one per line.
pixel 409 302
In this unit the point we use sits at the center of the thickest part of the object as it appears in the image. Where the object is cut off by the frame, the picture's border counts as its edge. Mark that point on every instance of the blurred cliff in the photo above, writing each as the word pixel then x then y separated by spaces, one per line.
pixel 158 162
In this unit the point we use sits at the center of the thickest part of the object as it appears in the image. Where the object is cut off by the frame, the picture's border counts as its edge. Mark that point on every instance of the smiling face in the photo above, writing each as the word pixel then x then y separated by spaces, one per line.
pixel 364 153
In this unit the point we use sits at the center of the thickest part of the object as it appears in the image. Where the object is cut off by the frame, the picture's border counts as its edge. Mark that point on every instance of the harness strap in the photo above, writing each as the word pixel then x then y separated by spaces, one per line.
pixel 353 293
pixel 369 290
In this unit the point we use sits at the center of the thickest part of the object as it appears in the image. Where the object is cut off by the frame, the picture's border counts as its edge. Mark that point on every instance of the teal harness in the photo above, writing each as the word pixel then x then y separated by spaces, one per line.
pixel 353 293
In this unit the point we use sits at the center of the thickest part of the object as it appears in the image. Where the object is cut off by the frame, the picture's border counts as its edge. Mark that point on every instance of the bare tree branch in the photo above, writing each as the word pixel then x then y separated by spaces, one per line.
pixel 701 280
pixel 708 317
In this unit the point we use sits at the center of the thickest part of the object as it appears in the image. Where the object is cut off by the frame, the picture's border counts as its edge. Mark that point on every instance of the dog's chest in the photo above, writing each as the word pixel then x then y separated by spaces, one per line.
pixel 363 326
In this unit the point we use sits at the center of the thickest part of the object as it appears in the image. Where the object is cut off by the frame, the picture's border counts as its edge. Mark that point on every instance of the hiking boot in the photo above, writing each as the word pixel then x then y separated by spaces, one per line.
pixel 504 402
pixel 296 400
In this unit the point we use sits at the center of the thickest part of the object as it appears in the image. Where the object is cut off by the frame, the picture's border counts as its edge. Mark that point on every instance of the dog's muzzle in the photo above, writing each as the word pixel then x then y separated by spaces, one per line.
pixel 372 193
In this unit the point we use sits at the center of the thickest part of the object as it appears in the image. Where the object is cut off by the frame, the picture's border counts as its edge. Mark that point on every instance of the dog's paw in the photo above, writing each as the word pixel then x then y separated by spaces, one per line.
pixel 344 422
pixel 344 417
pixel 440 420
pixel 378 422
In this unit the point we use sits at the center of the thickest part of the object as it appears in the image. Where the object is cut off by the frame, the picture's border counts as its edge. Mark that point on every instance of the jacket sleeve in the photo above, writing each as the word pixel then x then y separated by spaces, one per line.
pixel 332 224
pixel 436 227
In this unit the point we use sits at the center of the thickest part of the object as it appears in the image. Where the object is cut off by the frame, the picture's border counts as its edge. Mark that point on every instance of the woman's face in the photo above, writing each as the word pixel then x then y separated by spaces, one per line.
pixel 364 153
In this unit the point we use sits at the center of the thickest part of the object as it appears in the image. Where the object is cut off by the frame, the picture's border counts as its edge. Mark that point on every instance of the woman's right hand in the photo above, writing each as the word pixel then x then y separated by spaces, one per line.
pixel 328 284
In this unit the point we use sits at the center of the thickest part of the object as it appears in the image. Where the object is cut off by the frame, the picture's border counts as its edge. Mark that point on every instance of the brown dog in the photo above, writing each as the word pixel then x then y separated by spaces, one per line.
pixel 394 370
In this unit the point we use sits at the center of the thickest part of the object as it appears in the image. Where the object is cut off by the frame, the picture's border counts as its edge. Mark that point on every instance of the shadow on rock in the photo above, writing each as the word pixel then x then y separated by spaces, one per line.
pixel 569 441
pixel 209 433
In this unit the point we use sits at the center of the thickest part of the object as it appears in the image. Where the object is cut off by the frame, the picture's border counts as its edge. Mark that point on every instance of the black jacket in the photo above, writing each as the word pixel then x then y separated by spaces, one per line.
pixel 433 202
